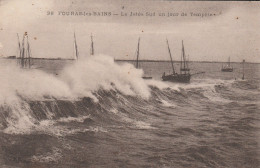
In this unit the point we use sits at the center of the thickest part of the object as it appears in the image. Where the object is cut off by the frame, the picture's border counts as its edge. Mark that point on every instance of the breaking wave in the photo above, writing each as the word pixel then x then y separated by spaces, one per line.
pixel 93 90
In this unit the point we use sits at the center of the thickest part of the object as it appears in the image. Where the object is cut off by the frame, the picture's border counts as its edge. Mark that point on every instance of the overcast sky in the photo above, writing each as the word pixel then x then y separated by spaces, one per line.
pixel 233 30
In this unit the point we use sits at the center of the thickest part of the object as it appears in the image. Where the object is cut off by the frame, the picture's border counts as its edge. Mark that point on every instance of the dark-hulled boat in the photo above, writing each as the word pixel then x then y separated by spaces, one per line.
pixel 182 78
pixel 228 67
pixel 184 75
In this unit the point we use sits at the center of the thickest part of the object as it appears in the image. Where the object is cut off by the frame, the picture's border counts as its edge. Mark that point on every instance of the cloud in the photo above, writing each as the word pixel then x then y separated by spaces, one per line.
pixel 232 32
pixel 18 15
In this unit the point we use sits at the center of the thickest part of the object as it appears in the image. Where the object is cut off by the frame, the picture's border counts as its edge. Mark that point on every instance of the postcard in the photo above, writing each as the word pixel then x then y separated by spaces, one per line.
pixel 128 83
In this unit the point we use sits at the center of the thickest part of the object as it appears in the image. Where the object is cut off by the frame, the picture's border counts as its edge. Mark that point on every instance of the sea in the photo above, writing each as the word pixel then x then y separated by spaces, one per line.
pixel 96 112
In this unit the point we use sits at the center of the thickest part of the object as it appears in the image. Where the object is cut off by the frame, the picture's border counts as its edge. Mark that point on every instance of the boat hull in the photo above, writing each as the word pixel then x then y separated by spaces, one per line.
pixel 227 69
pixel 147 77
pixel 180 78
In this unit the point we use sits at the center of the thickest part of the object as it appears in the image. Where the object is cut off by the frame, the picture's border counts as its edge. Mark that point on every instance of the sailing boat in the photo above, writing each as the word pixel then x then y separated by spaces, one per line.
pixel 92 46
pixel 25 55
pixel 76 47
pixel 184 76
pixel 228 67
pixel 137 60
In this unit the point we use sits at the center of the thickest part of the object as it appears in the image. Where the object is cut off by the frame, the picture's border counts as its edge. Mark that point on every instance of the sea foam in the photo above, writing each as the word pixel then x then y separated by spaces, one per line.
pixel 81 79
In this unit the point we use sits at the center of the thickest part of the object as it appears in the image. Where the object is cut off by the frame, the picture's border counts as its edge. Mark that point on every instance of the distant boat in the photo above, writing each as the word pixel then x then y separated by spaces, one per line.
pixel 76 47
pixel 137 60
pixel 25 55
pixel 184 76
pixel 228 67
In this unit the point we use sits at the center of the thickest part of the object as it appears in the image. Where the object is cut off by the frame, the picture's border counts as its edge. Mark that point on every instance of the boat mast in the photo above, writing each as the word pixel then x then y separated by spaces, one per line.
pixel 19 47
pixel 183 55
pixel 181 61
pixel 22 52
pixel 26 53
pixel 137 54
pixel 229 61
pixel 243 77
pixel 169 50
pixel 92 46
pixel 187 61
pixel 29 53
pixel 76 46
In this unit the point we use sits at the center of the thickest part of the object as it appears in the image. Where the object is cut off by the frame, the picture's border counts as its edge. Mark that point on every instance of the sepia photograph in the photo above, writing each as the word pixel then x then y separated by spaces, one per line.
pixel 129 84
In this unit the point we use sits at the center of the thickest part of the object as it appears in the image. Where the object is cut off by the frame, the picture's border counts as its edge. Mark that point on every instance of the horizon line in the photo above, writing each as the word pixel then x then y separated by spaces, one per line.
pixel 132 60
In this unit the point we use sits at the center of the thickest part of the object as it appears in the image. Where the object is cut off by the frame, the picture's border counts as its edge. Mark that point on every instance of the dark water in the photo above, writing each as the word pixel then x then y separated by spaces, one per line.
pixel 212 122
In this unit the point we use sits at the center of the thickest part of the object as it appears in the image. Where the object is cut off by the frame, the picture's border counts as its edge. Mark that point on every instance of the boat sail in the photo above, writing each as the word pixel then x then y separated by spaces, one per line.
pixel 184 76
pixel 25 54
pixel 137 60
pixel 76 47
pixel 228 67
pixel 184 63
